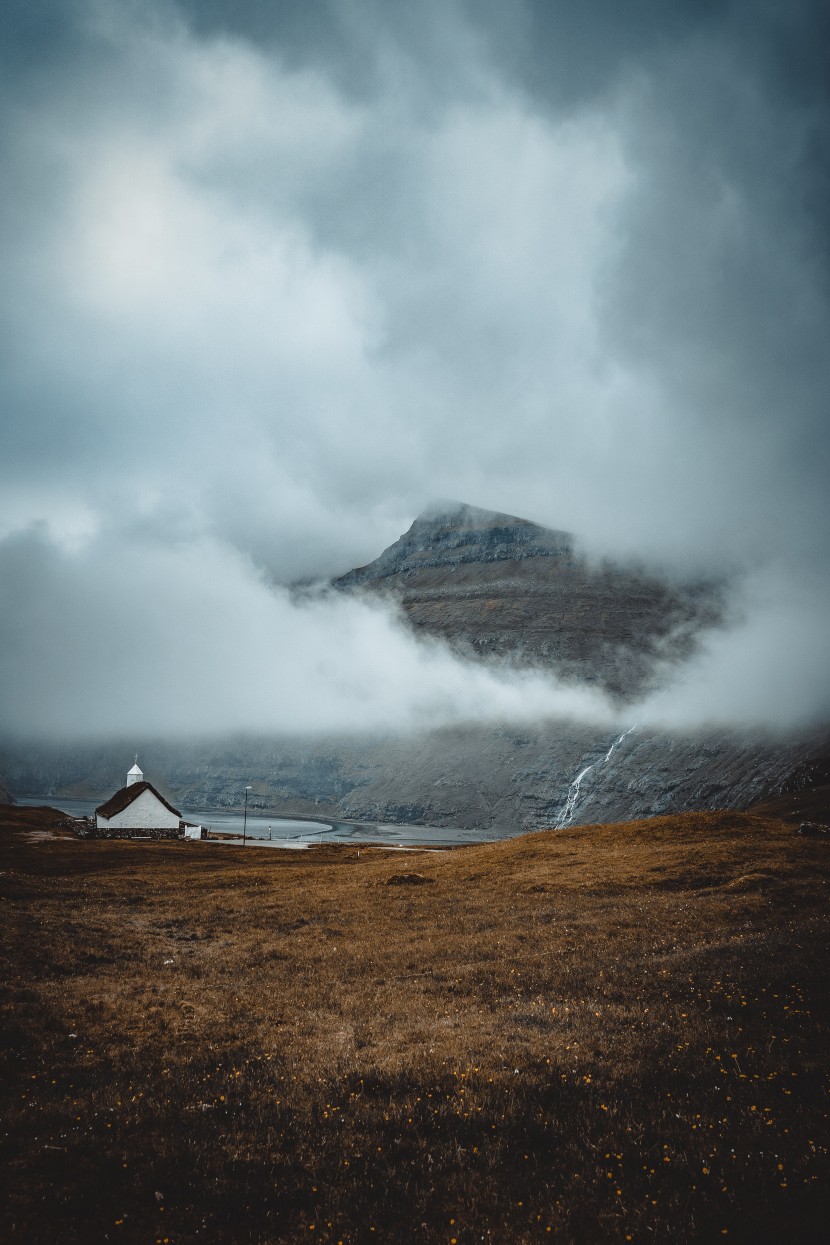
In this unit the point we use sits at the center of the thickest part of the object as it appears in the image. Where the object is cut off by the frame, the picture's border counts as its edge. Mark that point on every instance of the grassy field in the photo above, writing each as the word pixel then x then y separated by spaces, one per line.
pixel 600 1034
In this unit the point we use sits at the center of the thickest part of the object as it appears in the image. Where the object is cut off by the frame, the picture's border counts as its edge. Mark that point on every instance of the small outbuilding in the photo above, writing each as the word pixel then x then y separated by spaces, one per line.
pixel 138 811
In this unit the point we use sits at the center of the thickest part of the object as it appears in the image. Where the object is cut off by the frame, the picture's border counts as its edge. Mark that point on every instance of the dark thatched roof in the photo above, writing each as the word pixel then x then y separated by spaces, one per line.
pixel 123 798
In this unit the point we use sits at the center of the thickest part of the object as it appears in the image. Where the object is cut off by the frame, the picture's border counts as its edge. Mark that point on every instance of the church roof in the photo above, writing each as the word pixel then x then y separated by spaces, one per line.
pixel 123 798
pixel 134 770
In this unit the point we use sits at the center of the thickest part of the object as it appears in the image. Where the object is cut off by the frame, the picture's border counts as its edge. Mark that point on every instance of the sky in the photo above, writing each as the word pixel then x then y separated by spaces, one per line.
pixel 277 275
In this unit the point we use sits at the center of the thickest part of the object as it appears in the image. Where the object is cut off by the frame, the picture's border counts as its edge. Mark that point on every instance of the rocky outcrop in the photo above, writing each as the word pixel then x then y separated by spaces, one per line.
pixel 502 589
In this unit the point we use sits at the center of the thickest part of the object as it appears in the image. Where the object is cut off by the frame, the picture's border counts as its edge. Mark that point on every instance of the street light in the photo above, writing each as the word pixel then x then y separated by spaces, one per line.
pixel 245 818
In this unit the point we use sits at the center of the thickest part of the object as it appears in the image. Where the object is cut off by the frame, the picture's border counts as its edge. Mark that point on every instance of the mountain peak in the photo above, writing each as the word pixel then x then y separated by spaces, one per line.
pixel 450 533
pixel 461 514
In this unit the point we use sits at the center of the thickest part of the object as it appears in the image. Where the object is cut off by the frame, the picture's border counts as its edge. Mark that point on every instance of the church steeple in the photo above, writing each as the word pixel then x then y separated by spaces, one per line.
pixel 135 774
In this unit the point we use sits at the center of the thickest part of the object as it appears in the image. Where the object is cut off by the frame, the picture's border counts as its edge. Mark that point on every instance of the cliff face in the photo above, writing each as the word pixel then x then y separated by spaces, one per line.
pixel 497 780
pixel 502 589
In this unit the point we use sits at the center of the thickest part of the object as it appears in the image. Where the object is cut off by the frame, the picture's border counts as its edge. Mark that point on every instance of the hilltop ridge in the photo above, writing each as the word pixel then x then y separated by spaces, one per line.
pixel 454 534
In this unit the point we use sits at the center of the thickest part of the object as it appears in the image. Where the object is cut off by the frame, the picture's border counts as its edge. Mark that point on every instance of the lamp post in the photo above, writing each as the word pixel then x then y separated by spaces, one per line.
pixel 245 818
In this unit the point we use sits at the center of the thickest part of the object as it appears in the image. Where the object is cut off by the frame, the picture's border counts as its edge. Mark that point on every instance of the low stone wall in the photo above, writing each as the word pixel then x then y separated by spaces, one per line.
pixel 91 831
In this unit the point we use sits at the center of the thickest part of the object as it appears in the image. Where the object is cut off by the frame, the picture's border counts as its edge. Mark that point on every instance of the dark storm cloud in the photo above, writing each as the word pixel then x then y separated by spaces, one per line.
pixel 275 275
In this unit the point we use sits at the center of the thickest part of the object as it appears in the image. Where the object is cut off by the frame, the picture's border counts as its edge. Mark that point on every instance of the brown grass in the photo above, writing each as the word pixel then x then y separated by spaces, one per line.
pixel 599 1034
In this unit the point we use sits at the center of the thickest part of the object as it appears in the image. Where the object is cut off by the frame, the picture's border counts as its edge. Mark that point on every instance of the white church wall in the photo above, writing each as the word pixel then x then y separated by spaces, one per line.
pixel 145 812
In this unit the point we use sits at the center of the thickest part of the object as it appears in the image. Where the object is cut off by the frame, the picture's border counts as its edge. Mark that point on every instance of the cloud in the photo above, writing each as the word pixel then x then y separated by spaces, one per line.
pixel 206 291
pixel 276 276
pixel 767 669
pixel 188 639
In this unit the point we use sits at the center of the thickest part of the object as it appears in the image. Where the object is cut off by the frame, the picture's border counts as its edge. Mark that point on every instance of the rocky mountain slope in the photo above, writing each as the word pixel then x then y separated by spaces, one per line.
pixel 498 780
pixel 500 588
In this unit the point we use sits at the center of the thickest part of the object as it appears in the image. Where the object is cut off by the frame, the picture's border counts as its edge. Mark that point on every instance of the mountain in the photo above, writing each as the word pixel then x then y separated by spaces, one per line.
pixel 500 588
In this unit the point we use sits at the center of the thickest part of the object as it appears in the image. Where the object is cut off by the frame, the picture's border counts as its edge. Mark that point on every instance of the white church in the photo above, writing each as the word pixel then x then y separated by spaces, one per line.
pixel 138 811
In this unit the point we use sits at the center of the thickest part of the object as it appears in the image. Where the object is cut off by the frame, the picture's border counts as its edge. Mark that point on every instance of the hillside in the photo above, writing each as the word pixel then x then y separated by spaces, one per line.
pixel 608 1033
pixel 498 587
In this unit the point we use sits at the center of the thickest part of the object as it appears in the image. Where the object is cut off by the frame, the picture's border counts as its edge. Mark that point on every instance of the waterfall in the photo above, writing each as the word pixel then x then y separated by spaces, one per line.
pixel 573 790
